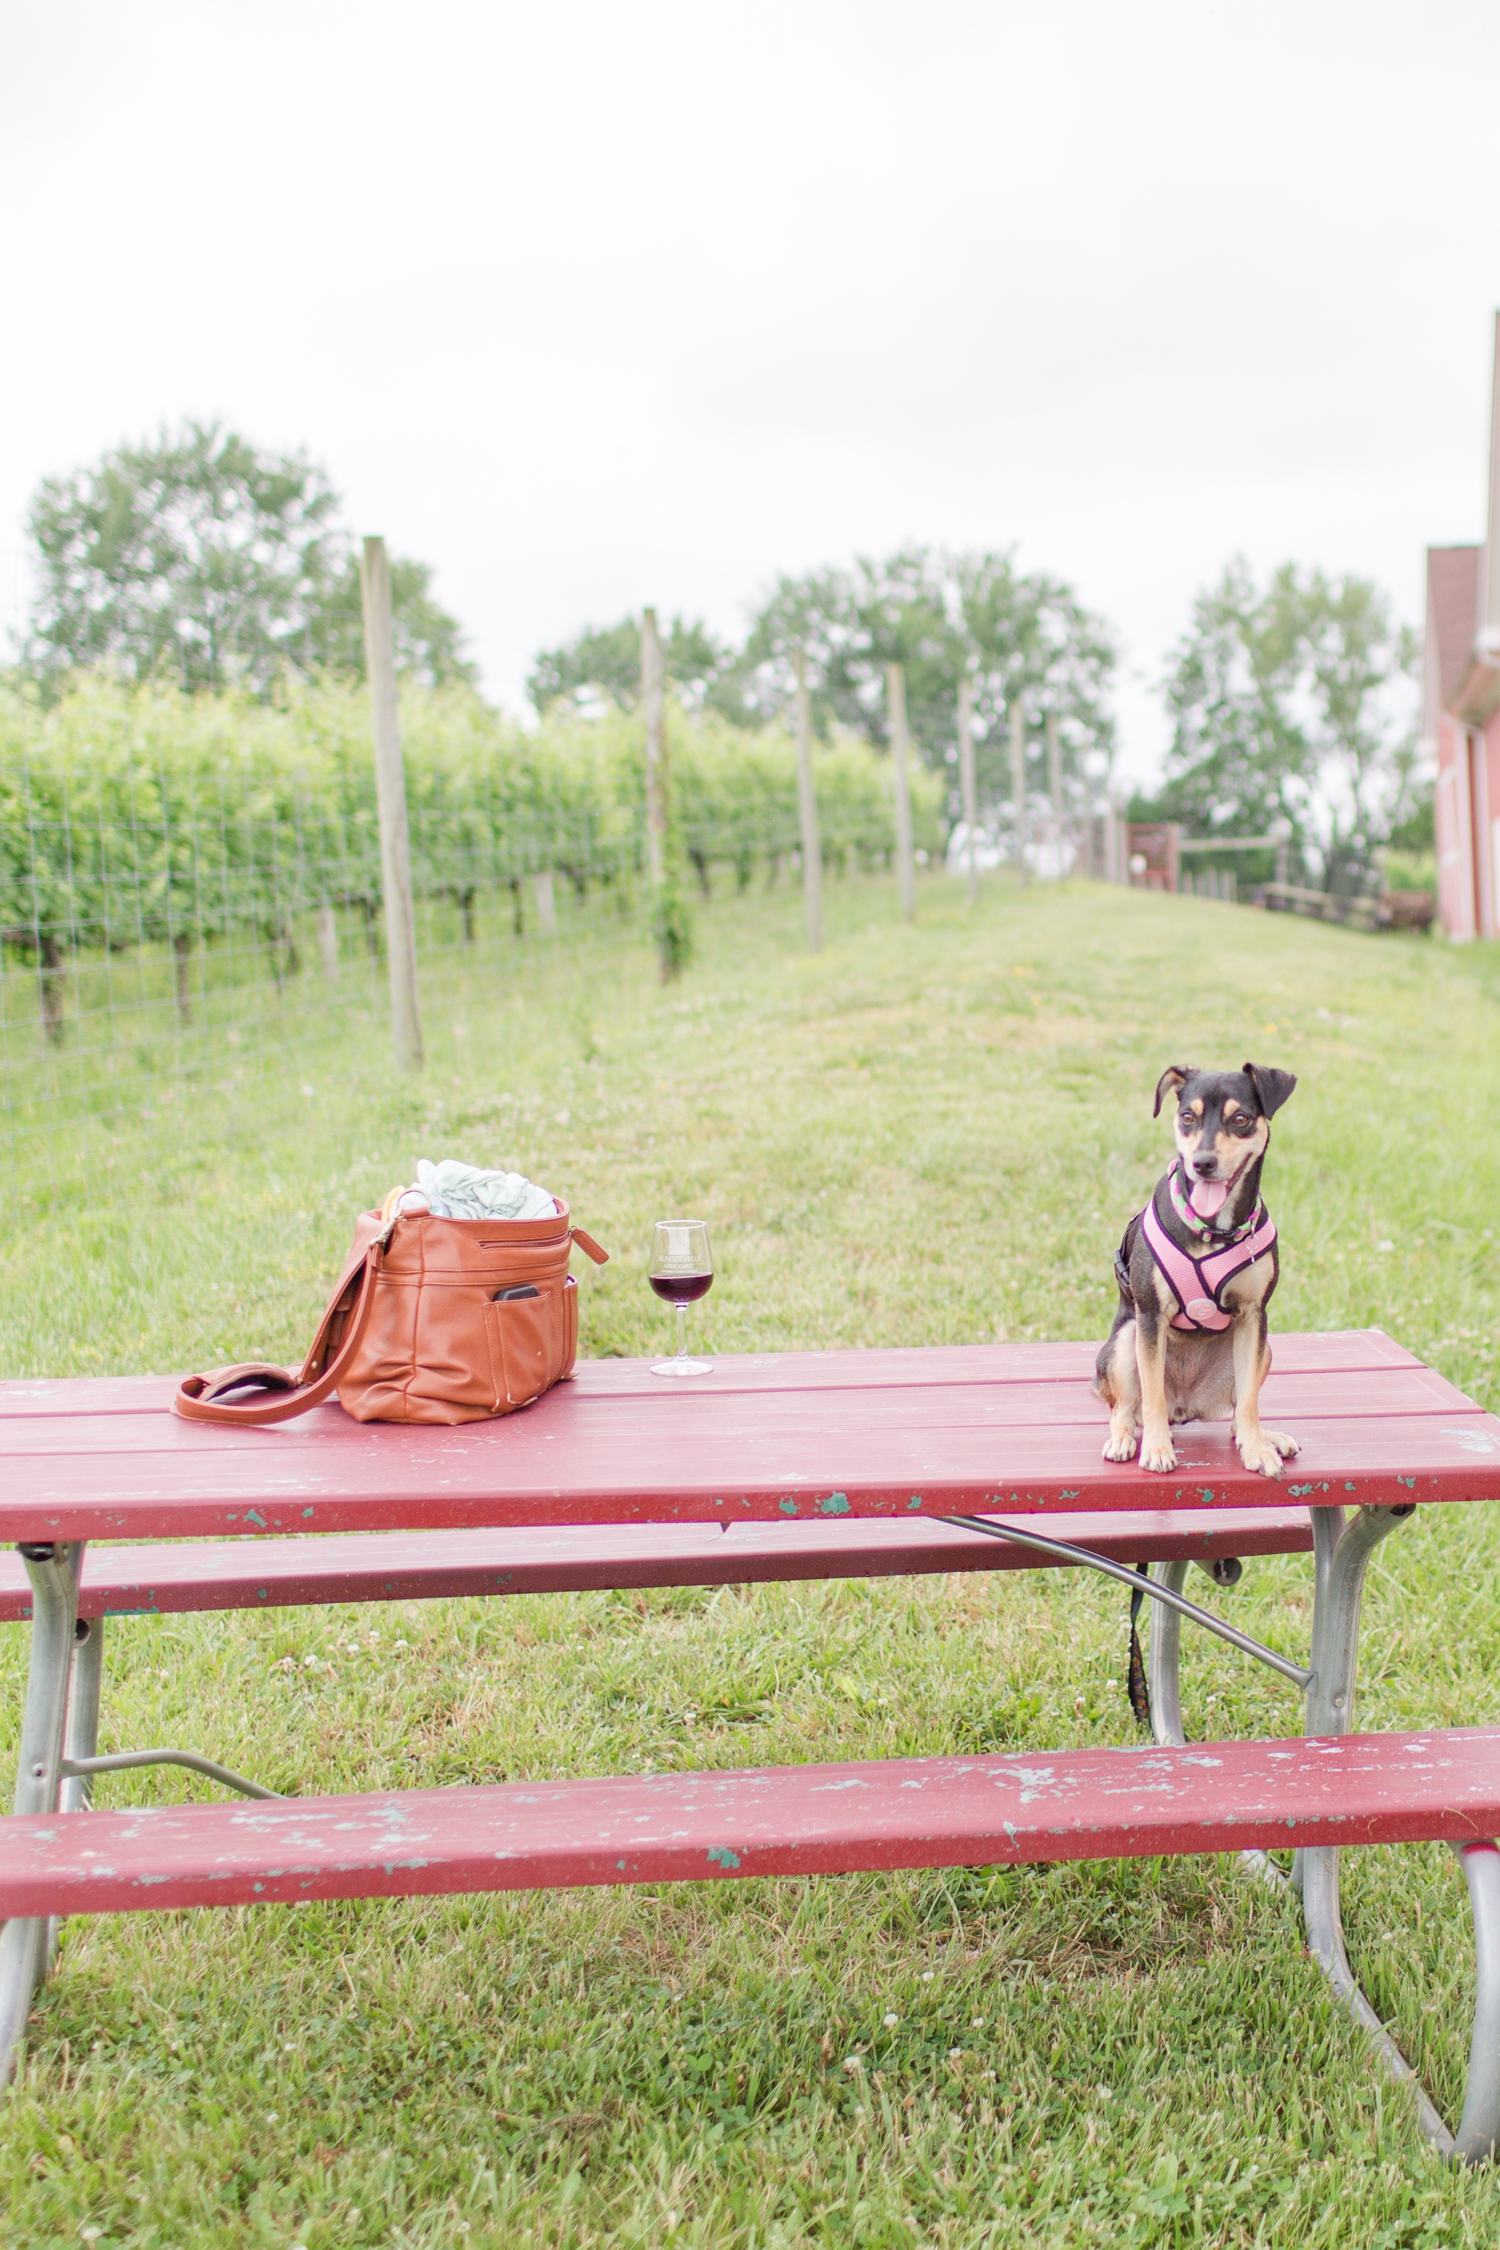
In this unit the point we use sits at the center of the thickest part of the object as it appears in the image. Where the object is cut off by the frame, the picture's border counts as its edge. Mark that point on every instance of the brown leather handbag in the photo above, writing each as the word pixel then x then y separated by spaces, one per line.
pixel 431 1320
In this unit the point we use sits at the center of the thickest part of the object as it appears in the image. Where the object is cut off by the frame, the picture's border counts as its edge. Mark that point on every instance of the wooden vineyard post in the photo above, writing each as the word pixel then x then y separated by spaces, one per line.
pixel 807 807
pixel 1054 775
pixel 390 796
pixel 669 916
pixel 1018 782
pixel 328 941
pixel 653 710
pixel 966 778
pixel 1118 869
pixel 906 866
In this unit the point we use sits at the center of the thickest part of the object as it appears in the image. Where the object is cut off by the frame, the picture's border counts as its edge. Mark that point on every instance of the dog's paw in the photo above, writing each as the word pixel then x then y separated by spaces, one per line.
pixel 1161 1456
pixel 1121 1445
pixel 1287 1447
pixel 1260 1453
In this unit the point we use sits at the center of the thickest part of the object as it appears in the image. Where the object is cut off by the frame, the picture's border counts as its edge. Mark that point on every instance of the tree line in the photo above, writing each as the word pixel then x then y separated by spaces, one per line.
pixel 203 560
pixel 1022 639
pixel 1293 703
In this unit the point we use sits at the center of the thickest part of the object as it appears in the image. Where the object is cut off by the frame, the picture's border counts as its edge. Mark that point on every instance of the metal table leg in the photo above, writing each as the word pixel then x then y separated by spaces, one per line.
pixel 82 1738
pixel 1164 1686
pixel 53 1569
pixel 1479 2127
pixel 1163 1659
pixel 1342 1547
pixel 83 1710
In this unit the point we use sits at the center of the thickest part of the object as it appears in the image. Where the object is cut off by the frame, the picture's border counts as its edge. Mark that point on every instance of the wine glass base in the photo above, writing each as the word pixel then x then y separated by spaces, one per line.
pixel 683 1367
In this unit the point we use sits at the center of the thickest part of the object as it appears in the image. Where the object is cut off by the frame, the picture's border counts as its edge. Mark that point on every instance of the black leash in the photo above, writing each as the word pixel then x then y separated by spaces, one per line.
pixel 1135 1678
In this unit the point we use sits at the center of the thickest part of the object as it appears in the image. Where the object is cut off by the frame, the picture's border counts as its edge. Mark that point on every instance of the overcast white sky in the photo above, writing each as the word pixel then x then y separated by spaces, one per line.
pixel 591 306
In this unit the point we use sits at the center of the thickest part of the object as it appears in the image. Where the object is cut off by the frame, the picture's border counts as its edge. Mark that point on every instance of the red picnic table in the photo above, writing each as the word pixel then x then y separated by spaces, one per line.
pixel 777 1465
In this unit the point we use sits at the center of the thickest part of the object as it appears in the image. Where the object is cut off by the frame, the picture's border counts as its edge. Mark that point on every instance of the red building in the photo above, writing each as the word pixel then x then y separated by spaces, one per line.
pixel 1461 712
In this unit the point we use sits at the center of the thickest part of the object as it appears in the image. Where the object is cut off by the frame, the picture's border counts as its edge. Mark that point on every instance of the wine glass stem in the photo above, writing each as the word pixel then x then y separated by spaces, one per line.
pixel 682 1331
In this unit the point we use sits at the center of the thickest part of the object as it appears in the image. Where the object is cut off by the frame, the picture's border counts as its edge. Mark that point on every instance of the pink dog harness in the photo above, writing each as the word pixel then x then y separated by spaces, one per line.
pixel 1198 1278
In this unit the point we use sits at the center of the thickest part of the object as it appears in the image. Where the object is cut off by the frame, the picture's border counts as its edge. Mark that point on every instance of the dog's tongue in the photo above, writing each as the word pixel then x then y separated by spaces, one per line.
pixel 1208 1197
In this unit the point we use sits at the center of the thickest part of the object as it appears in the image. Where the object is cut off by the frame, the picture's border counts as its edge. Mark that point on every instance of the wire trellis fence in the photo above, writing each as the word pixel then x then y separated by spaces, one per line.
pixel 189 887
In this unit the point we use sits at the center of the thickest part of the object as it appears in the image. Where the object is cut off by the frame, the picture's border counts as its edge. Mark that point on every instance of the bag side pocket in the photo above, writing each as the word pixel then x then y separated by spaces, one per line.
pixel 521 1333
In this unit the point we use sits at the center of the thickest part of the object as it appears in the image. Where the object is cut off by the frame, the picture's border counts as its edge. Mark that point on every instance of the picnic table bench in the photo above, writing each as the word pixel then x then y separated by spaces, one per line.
pixel 775 1466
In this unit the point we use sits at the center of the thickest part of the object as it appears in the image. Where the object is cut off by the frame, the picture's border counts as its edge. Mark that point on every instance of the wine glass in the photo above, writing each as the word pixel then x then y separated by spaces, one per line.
pixel 682 1271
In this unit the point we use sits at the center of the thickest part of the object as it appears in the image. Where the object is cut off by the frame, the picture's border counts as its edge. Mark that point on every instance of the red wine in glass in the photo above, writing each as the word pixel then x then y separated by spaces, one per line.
pixel 681 1271
pixel 682 1288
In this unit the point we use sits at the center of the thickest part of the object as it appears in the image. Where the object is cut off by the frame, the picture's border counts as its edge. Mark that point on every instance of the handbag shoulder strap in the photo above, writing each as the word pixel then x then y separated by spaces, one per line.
pixel 205 1398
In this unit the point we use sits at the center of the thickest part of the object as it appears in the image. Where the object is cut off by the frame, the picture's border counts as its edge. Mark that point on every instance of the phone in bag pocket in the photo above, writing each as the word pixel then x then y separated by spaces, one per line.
pixel 529 1335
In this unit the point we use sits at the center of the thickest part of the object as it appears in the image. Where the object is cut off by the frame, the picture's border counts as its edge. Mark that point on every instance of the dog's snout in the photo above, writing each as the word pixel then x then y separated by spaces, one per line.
pixel 1205 1163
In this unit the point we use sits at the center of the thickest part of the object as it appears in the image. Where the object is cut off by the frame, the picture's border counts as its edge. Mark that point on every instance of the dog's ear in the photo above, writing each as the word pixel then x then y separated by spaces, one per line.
pixel 1272 1087
pixel 1175 1075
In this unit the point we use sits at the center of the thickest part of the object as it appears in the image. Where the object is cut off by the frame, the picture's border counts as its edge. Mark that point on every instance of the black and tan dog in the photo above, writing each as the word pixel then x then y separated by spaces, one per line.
pixel 1196 1271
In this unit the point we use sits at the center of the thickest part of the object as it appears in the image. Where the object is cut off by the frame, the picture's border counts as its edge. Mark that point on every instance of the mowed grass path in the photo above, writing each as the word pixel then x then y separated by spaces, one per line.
pixel 926 1135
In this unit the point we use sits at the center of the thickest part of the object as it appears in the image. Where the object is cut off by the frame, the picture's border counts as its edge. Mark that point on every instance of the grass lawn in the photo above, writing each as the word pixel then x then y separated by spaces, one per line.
pixel 925 1135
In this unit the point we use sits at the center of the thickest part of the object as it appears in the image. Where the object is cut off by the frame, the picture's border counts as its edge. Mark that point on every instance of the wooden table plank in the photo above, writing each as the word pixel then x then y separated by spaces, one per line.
pixel 405 1566
pixel 1337 1351
pixel 679 1465
pixel 946 1430
pixel 708 1412
pixel 800 1820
